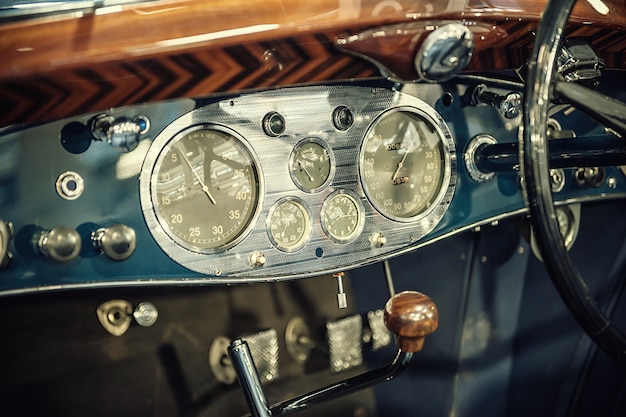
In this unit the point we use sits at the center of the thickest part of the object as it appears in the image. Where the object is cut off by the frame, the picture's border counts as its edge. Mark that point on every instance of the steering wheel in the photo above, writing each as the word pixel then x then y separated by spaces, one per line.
pixel 534 163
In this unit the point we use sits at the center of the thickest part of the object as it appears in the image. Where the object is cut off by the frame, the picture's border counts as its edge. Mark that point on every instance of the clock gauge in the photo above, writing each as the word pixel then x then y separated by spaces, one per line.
pixel 289 224
pixel 342 217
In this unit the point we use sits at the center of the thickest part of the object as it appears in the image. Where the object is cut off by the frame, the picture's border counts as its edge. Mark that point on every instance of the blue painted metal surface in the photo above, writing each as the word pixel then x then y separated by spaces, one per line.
pixel 31 161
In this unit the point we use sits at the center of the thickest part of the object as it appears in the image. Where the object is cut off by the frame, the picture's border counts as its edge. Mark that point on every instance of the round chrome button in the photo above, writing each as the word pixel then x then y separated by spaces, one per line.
pixel 70 185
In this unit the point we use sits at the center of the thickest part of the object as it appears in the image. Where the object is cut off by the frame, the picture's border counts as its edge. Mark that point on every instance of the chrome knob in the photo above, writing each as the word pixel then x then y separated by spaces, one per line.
pixel 118 241
pixel 146 314
pixel 510 104
pixel 61 244
pixel 445 52
pixel 121 133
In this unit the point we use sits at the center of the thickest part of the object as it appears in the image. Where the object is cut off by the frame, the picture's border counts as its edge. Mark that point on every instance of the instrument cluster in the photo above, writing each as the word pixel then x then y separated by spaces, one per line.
pixel 297 181
pixel 260 186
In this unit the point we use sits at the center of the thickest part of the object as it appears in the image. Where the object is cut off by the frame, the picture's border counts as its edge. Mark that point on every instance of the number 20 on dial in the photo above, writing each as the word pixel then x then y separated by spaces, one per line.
pixel 205 188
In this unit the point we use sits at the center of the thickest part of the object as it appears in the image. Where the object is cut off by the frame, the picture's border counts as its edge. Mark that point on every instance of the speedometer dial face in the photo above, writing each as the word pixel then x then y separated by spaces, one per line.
pixel 402 164
pixel 205 188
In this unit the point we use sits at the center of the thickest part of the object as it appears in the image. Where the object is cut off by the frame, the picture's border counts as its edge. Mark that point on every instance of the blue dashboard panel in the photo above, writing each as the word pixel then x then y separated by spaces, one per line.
pixel 117 186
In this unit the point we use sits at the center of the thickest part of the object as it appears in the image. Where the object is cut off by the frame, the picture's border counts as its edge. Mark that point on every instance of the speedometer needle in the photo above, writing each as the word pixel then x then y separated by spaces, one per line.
pixel 400 165
pixel 203 186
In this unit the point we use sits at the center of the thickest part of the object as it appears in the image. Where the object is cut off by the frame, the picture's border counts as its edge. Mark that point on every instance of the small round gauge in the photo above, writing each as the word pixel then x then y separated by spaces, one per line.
pixel 205 188
pixel 289 225
pixel 342 217
pixel 311 165
pixel 403 164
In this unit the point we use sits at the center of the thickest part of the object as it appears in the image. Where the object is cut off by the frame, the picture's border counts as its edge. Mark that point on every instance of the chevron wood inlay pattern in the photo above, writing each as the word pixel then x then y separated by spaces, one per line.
pixel 78 71
pixel 308 58
pixel 609 44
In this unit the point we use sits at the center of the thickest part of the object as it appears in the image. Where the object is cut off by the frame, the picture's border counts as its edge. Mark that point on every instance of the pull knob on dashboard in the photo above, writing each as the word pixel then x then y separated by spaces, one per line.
pixel 118 242
pixel 61 244
pixel 410 315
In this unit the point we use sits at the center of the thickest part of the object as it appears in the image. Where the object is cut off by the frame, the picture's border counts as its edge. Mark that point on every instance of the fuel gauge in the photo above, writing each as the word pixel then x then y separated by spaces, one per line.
pixel 311 165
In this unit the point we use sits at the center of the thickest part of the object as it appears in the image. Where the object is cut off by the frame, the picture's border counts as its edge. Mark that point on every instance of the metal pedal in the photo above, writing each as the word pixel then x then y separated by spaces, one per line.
pixel 380 337
pixel 264 350
pixel 344 338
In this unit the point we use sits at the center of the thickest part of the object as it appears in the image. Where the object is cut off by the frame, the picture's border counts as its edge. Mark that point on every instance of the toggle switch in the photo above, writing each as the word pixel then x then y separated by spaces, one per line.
pixel 342 301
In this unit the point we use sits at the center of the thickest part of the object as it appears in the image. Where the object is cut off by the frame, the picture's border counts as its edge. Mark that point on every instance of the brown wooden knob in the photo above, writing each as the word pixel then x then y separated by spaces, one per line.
pixel 411 316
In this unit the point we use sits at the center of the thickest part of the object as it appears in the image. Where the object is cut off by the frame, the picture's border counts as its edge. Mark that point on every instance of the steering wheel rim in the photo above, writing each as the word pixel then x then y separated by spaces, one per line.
pixel 537 191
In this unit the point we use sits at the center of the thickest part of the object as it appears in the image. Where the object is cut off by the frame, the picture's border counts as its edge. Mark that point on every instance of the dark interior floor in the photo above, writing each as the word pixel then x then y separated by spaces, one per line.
pixel 506 345
pixel 58 360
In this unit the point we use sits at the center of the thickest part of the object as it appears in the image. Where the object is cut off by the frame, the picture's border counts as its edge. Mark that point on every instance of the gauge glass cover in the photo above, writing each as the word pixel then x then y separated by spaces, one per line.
pixel 289 224
pixel 205 188
pixel 342 217
pixel 311 165
pixel 403 163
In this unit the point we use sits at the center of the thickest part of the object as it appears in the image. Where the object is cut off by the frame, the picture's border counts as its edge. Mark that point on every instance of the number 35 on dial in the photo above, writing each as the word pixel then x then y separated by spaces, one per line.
pixel 205 188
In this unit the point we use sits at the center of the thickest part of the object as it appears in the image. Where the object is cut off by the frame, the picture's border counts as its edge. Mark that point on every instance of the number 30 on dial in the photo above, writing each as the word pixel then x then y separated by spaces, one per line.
pixel 205 188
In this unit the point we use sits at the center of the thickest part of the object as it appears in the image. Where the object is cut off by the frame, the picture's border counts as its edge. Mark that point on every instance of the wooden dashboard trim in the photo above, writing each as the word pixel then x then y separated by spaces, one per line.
pixel 58 66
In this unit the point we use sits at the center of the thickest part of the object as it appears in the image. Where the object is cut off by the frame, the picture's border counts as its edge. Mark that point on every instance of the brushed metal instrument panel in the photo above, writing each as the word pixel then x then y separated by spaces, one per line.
pixel 308 114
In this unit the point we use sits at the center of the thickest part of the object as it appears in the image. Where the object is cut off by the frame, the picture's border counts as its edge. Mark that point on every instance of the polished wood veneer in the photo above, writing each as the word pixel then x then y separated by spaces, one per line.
pixel 63 65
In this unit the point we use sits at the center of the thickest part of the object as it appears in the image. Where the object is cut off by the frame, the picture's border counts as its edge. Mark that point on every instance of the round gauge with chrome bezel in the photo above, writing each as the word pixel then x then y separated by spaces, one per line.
pixel 342 216
pixel 205 188
pixel 311 165
pixel 404 164
pixel 289 224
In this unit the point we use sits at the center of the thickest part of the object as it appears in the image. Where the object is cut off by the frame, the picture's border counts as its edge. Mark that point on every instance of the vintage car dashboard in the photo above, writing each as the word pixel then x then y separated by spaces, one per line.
pixel 262 185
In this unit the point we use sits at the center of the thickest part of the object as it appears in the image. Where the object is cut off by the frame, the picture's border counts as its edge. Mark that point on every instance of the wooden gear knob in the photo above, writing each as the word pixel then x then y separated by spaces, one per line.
pixel 411 316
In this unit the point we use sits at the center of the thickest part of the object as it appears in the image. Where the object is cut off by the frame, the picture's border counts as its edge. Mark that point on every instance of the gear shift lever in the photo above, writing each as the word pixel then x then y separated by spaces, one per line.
pixel 410 315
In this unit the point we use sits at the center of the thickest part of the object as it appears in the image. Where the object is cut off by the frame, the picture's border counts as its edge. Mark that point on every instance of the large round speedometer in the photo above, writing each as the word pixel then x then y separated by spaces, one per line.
pixel 205 188
pixel 403 164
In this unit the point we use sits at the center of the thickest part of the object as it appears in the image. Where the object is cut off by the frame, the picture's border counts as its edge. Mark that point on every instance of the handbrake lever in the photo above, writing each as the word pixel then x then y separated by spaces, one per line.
pixel 410 315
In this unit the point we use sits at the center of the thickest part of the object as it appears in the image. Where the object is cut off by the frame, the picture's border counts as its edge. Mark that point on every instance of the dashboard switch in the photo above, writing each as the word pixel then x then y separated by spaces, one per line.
pixel 70 185
pixel 342 301
pixel 378 240
pixel 61 244
pixel 591 176
pixel 115 316
pixel 118 242
pixel 146 314
pixel 274 124
pixel 343 118
pixel 121 133
pixel 257 259
pixel 510 104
